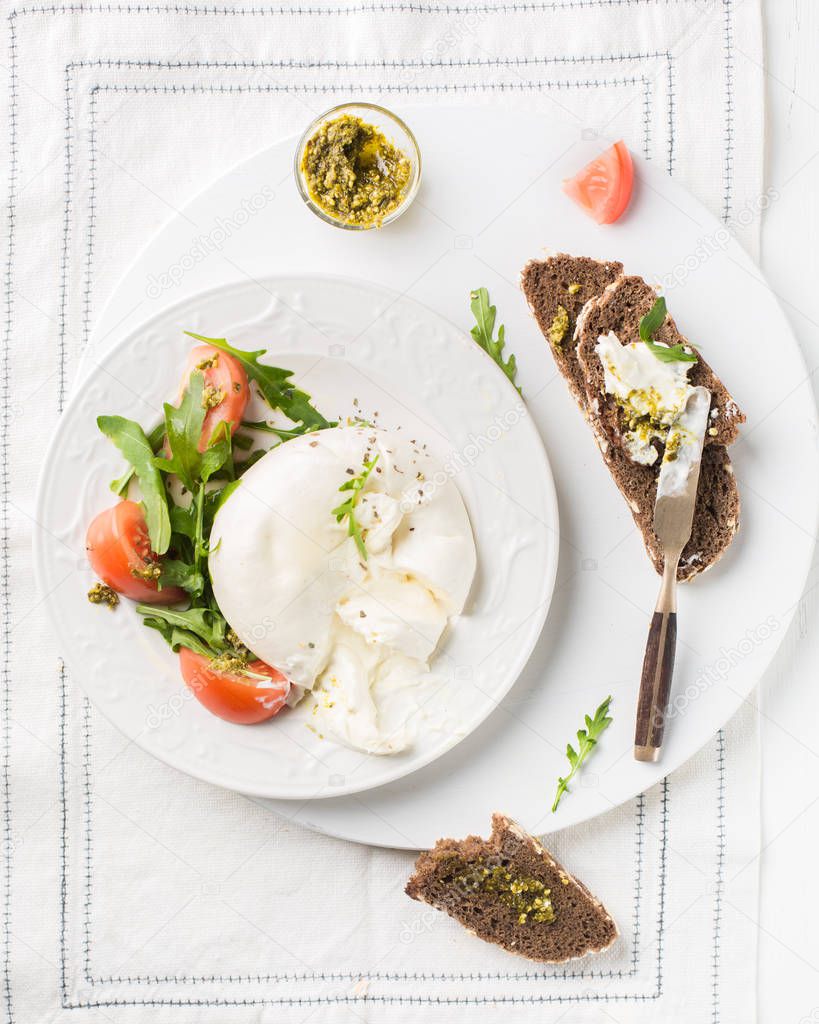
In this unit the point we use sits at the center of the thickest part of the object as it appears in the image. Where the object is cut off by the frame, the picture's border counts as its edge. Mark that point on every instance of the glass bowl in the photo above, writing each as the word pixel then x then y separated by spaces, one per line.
pixel 394 129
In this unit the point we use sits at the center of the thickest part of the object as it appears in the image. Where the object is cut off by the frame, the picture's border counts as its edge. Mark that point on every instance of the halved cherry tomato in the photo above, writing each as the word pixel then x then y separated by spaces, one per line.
pixel 227 386
pixel 236 698
pixel 119 551
pixel 603 188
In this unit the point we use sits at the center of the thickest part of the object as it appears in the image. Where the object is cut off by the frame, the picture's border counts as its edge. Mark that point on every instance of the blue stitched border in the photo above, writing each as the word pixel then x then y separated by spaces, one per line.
pixel 5 565
pixel 281 10
pixel 155 88
pixel 506 63
pixel 728 191
pixel 720 879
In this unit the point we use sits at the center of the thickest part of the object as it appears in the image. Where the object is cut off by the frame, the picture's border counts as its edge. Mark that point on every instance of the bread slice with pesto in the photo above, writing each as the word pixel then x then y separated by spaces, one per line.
pixel 557 289
pixel 717 513
pixel 510 891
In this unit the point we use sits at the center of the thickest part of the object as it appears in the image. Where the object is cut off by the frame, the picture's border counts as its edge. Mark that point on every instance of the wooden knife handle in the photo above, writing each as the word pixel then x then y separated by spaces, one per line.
pixel 655 685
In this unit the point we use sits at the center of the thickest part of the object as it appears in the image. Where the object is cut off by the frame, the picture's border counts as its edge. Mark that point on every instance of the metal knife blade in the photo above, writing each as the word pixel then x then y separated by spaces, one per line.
pixel 680 472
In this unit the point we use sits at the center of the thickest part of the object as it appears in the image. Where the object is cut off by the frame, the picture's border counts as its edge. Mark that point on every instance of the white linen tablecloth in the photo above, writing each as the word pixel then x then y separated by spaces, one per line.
pixel 133 893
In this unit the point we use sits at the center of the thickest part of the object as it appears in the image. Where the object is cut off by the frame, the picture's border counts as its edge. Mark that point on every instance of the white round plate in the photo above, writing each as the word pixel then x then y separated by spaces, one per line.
pixel 468 229
pixel 359 350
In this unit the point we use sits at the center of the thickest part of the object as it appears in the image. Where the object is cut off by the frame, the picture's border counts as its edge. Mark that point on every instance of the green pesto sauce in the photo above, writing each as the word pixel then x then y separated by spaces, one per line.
pixel 526 896
pixel 229 661
pixel 151 572
pixel 353 172
pixel 102 594
pixel 672 447
pixel 235 659
pixel 560 327
pixel 212 396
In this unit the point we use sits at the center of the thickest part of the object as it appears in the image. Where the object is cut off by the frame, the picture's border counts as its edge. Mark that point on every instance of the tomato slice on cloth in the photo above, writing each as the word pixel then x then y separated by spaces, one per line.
pixel 603 188
pixel 226 388
pixel 119 551
pixel 238 698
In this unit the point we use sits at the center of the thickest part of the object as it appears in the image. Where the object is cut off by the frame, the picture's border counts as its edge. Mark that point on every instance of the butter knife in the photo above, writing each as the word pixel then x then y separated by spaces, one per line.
pixel 673 517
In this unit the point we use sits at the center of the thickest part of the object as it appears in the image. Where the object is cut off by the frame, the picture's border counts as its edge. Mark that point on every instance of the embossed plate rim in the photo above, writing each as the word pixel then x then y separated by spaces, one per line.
pixel 465 356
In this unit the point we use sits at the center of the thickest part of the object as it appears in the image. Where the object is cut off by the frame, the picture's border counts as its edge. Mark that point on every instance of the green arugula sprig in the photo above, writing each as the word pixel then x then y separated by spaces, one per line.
pixel 283 433
pixel 484 330
pixel 586 742
pixel 183 429
pixel 155 439
pixel 202 629
pixel 650 324
pixel 347 508
pixel 274 384
pixel 130 438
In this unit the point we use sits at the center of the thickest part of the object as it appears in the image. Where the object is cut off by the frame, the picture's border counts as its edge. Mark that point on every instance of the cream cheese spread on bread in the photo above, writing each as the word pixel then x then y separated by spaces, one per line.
pixel 651 393
pixel 683 447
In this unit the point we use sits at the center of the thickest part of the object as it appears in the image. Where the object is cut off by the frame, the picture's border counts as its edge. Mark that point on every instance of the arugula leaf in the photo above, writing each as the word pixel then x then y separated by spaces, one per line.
pixel 251 460
pixel 183 521
pixel 484 329
pixel 176 637
pixel 650 324
pixel 347 508
pixel 671 353
pixel 216 499
pixel 130 439
pixel 586 742
pixel 183 427
pixel 218 454
pixel 120 485
pixel 653 320
pixel 176 573
pixel 206 624
pixel 282 433
pixel 242 441
pixel 274 384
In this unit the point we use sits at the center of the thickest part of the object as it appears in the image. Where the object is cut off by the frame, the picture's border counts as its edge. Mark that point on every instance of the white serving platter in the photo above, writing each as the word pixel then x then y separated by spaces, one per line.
pixel 481 213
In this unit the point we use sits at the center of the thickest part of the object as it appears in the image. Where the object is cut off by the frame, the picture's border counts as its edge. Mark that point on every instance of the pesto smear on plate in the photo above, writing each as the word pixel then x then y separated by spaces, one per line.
pixel 353 172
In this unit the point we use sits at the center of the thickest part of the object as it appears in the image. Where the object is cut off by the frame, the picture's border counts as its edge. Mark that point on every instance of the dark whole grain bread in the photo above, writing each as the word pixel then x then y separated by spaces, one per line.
pixel 619 308
pixel 716 517
pixel 557 289
pixel 452 878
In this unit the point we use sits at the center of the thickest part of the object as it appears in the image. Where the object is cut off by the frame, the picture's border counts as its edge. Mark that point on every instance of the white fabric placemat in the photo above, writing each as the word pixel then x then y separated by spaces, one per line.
pixel 134 893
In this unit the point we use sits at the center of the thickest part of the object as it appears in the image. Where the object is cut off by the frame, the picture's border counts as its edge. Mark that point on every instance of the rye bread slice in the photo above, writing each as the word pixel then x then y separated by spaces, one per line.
pixel 619 308
pixel 557 289
pixel 716 517
pixel 451 878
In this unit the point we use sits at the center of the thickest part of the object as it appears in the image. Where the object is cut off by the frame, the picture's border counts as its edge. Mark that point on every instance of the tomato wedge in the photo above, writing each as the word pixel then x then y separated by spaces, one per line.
pixel 603 188
pixel 237 698
pixel 119 551
pixel 226 388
